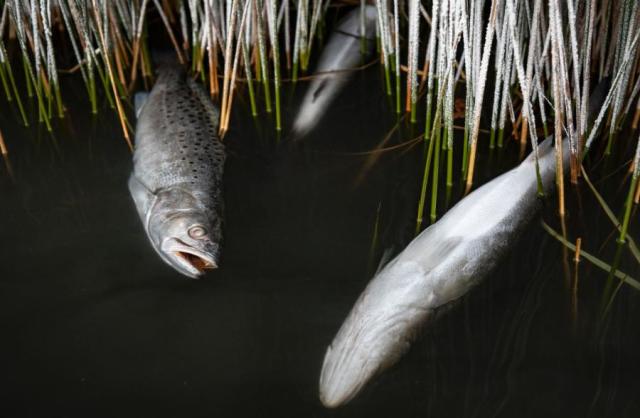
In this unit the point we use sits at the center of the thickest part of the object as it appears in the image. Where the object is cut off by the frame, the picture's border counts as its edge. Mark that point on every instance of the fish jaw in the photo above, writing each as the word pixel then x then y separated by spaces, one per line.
pixel 187 260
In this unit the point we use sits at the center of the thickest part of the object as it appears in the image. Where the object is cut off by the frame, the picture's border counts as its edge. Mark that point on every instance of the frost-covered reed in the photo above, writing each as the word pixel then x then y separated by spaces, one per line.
pixel 520 64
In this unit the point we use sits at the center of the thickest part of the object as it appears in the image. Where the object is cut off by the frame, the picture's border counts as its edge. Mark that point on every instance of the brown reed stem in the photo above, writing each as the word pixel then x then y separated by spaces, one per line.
pixel 167 25
pixel 105 55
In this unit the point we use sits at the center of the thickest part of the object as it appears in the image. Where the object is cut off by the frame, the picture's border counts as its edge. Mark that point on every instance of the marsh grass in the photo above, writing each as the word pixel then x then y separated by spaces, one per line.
pixel 625 278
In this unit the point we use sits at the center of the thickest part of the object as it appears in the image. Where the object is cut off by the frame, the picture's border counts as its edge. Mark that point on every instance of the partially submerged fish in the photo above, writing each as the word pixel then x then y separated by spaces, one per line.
pixel 437 267
pixel 342 52
pixel 176 182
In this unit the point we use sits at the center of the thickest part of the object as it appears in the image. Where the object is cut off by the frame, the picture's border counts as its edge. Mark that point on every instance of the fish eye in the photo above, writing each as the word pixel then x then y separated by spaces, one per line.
pixel 197 231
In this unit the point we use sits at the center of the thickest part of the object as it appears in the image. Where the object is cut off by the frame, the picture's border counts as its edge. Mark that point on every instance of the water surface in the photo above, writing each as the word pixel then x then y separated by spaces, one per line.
pixel 94 324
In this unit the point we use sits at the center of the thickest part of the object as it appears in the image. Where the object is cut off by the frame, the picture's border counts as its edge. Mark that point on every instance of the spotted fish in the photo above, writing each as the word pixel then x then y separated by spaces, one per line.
pixel 176 182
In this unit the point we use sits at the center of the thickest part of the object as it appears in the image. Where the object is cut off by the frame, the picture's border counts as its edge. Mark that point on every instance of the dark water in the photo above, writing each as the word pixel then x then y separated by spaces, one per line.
pixel 94 324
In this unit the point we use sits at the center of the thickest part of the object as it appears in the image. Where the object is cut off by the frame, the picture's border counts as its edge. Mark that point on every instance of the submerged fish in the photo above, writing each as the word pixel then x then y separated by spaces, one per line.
pixel 437 267
pixel 342 52
pixel 177 176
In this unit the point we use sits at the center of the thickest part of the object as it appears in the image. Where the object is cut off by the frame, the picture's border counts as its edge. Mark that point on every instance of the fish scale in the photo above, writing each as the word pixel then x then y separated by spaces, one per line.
pixel 186 149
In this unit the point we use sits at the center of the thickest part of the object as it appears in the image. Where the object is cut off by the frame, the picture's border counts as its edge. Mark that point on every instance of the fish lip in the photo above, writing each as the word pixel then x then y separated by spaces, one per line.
pixel 181 257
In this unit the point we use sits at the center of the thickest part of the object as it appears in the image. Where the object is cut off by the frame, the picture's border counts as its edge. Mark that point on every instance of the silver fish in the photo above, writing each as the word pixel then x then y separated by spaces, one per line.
pixel 342 52
pixel 176 182
pixel 439 266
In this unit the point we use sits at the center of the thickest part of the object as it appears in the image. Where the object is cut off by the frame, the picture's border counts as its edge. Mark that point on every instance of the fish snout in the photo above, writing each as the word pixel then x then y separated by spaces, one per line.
pixel 336 387
pixel 373 338
pixel 345 370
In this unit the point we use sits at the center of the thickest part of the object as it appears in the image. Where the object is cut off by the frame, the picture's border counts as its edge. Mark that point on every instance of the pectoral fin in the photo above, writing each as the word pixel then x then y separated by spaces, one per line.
pixel 430 249
pixel 142 197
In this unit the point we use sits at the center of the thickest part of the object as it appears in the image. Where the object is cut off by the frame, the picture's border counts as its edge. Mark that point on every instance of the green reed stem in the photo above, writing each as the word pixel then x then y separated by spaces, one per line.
pixel 387 79
pixel 627 211
pixel 449 162
pixel 427 124
pixel 58 96
pixel 428 111
pixel 294 74
pixel 609 143
pixel 105 85
pixel 592 259
pixel 5 84
pixel 500 137
pixel 267 92
pixel 423 189
pixel 25 66
pixel 42 112
pixel 434 179
pixel 247 68
pixel 195 57
pixel 609 292
pixel 398 80
pixel 146 56
pixel 16 94
pixel 92 92
pixel 465 152
pixel 304 60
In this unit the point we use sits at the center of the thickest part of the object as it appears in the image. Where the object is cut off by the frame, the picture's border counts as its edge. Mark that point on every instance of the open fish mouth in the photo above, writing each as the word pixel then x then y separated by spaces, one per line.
pixel 188 260
pixel 197 261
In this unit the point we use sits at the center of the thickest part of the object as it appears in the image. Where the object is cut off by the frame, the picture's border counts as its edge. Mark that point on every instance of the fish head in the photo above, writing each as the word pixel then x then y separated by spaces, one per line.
pixel 185 234
pixel 377 332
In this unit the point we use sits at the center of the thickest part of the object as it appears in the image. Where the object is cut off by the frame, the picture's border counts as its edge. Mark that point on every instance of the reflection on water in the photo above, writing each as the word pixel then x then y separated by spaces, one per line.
pixel 94 324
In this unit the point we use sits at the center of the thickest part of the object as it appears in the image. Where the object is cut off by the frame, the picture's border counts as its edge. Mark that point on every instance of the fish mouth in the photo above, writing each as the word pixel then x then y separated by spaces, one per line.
pixel 188 260
pixel 197 261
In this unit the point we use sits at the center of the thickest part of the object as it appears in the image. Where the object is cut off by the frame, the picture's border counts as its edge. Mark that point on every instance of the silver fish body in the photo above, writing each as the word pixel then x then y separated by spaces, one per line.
pixel 342 52
pixel 176 182
pixel 439 266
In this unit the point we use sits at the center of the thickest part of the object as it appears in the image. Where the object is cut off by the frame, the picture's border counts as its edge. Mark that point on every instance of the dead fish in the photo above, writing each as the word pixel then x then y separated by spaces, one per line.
pixel 439 266
pixel 176 182
pixel 342 52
